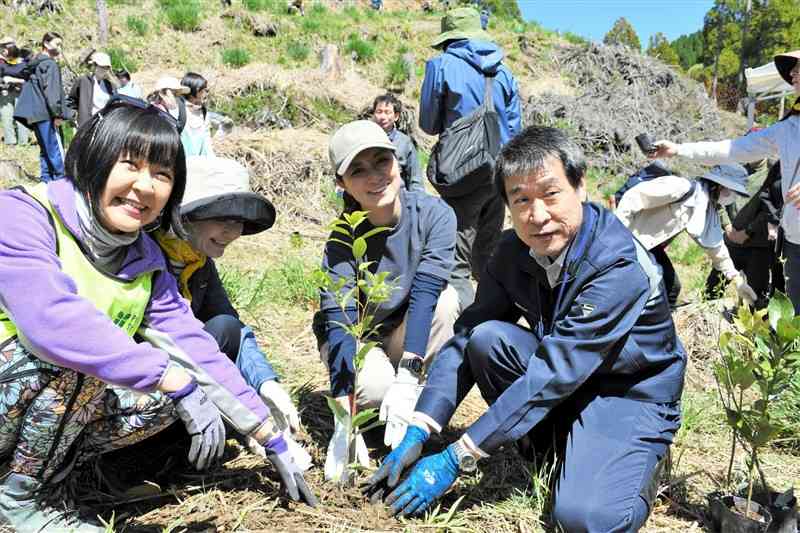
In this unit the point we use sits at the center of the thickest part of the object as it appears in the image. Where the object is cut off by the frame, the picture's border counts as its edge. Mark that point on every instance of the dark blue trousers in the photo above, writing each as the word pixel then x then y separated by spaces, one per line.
pixel 611 445
pixel 238 342
pixel 51 163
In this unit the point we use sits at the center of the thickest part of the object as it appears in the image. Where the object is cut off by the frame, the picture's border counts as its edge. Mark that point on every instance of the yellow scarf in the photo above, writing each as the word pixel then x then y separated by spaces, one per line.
pixel 181 251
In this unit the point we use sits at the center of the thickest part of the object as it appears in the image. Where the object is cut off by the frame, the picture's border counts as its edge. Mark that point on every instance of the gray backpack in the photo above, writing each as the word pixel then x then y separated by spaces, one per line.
pixel 463 159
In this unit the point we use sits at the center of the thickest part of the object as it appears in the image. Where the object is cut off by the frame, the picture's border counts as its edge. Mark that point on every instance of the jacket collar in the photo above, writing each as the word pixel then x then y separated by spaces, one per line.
pixel 143 255
pixel 577 252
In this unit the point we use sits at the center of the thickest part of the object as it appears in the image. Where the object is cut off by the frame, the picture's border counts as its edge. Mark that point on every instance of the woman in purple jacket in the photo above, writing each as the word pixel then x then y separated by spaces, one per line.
pixel 78 279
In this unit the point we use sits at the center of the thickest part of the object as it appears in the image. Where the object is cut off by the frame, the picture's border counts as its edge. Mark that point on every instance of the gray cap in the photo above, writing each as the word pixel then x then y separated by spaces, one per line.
pixel 352 139
pixel 732 176
pixel 219 188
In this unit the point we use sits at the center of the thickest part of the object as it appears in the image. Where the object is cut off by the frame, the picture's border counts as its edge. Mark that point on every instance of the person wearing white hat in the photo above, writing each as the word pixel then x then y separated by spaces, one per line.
pixel 168 95
pixel 655 211
pixel 90 93
pixel 417 319
pixel 218 207
pixel 782 139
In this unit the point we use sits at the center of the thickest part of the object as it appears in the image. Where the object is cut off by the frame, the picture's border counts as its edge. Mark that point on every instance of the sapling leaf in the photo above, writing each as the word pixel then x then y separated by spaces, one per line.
pixel 339 229
pixel 338 411
pixel 359 248
pixel 375 231
pixel 362 353
pixel 364 265
pixel 786 330
pixel 343 243
pixel 363 417
pixel 779 307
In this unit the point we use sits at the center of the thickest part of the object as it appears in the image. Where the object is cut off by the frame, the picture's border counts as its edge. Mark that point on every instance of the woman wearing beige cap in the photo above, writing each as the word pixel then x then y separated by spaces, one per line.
pixel 168 95
pixel 418 317
pixel 782 140
pixel 90 93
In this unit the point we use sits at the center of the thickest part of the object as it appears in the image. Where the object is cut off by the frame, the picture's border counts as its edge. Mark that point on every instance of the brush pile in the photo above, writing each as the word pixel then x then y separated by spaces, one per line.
pixel 619 94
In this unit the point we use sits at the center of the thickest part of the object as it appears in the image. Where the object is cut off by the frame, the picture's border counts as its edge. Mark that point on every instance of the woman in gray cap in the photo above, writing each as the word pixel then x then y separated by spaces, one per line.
pixel 217 208
pixel 417 318
pixel 782 139
pixel 657 210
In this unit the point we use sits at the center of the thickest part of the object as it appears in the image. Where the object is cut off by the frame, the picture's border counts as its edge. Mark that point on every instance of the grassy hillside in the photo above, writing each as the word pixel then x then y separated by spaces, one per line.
pixel 259 80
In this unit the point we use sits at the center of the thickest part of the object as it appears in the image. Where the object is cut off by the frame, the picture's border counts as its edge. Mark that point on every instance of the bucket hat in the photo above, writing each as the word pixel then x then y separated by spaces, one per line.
pixel 461 23
pixel 217 187
pixel 732 176
pixel 352 139
pixel 785 63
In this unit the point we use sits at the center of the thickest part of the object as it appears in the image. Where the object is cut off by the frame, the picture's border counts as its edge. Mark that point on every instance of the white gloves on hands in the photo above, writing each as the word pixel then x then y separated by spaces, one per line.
pixel 301 457
pixel 398 406
pixel 744 290
pixel 336 457
pixel 284 413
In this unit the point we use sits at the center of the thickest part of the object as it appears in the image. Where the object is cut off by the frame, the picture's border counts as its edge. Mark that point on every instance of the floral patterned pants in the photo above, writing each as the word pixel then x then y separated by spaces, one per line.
pixel 52 417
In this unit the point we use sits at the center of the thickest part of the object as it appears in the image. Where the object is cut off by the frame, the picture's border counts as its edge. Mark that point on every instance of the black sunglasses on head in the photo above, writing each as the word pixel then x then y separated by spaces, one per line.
pixel 121 100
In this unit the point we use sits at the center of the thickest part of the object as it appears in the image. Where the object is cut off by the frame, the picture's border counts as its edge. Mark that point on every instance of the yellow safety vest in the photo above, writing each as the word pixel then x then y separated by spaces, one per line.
pixel 123 301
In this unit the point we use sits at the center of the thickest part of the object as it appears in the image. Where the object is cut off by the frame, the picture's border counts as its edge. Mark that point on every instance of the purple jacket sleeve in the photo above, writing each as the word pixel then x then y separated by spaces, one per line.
pixel 58 325
pixel 170 325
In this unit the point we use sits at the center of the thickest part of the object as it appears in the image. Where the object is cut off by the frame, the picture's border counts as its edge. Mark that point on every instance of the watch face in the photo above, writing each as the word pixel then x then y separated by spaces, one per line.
pixel 414 365
pixel 468 463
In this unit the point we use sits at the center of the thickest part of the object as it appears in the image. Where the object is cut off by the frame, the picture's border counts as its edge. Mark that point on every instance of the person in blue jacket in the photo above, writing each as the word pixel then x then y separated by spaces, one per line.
pixel 599 363
pixel 453 88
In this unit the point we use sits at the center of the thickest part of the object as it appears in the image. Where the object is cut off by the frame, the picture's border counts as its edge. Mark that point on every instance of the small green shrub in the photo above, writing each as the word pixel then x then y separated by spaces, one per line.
pixel 397 72
pixel 318 9
pixel 297 51
pixel 311 24
pixel 353 12
pixel 235 57
pixel 137 25
pixel 259 5
pixel 121 61
pixel 363 50
pixel 574 38
pixel 289 282
pixel 182 15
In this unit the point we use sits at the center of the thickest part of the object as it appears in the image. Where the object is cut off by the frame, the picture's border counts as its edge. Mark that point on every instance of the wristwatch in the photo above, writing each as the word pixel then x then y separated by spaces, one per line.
pixel 467 463
pixel 414 365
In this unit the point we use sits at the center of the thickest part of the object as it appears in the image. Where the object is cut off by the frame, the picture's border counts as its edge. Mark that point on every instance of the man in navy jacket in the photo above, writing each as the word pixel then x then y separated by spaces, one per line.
pixel 599 362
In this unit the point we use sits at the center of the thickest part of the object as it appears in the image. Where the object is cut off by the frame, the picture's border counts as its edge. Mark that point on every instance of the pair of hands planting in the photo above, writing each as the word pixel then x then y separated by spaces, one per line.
pixel 204 424
pixel 427 481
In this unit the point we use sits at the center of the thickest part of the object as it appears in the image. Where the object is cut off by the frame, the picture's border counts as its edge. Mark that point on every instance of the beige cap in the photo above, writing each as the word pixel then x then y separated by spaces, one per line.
pixel 101 59
pixel 785 63
pixel 352 139
pixel 173 84
pixel 7 40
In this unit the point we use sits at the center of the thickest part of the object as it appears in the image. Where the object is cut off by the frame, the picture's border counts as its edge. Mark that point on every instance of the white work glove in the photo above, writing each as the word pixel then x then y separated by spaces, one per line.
pixel 336 457
pixel 301 457
pixel 398 406
pixel 284 413
pixel 744 290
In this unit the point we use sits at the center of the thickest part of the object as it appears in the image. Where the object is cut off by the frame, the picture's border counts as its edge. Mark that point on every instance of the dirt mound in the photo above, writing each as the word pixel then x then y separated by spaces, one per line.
pixel 619 94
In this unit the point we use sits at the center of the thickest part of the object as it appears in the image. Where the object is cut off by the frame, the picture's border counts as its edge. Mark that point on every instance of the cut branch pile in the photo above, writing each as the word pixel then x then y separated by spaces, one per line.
pixel 296 180
pixel 619 95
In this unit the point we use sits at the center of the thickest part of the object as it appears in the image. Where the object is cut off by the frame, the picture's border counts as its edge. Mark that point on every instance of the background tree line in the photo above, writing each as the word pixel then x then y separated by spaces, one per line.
pixel 736 34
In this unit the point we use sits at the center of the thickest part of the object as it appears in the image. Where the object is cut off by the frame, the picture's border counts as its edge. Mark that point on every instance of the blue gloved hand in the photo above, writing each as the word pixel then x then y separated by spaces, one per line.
pixel 428 480
pixel 402 456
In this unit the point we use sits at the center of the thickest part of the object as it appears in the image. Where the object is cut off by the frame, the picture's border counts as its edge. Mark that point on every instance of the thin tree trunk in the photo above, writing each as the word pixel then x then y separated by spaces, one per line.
pixel 102 22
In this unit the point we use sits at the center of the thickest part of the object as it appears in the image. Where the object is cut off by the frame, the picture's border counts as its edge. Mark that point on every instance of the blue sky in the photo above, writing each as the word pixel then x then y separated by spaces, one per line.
pixel 593 18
